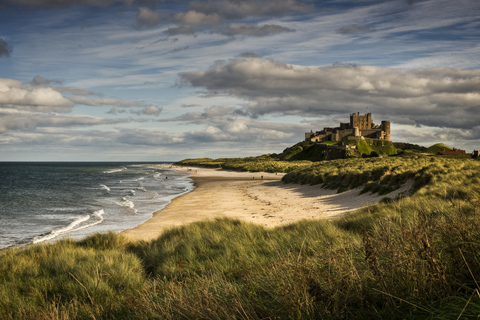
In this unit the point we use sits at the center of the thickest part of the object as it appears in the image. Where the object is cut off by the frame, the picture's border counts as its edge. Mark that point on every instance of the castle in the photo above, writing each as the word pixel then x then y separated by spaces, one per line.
pixel 359 128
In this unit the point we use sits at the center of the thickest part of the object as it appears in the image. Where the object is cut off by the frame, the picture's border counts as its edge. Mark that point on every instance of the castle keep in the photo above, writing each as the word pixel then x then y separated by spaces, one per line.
pixel 360 127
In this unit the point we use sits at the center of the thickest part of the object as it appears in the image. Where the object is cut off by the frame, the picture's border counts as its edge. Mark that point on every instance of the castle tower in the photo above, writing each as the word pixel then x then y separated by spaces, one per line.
pixel 369 122
pixel 386 129
pixel 361 122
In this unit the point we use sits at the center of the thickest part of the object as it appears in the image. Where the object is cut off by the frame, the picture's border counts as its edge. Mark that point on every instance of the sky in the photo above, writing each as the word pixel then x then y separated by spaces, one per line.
pixel 158 80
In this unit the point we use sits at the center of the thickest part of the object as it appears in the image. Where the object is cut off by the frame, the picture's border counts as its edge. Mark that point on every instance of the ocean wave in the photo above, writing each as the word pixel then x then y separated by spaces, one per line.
pixel 105 187
pixel 73 226
pixel 128 204
pixel 115 170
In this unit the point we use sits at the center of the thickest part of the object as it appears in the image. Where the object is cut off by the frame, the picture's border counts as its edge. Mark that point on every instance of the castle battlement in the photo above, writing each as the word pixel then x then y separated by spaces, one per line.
pixel 360 127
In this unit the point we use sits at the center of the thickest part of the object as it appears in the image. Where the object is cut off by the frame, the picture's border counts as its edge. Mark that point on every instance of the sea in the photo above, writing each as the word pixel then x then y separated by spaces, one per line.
pixel 48 201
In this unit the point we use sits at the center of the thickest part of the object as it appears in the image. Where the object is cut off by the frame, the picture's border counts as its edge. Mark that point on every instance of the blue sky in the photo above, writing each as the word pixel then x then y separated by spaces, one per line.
pixel 160 80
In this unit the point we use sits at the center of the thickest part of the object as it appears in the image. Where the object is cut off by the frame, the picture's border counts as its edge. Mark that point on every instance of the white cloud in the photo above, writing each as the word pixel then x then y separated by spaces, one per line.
pixel 194 18
pixel 41 98
pixel 13 94
pixel 11 119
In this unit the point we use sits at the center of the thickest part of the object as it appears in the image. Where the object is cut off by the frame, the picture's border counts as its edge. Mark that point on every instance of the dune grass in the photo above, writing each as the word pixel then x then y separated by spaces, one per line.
pixel 265 163
pixel 415 257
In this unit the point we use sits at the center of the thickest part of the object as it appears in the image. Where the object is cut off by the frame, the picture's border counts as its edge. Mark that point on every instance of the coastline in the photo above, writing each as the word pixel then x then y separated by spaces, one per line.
pixel 247 197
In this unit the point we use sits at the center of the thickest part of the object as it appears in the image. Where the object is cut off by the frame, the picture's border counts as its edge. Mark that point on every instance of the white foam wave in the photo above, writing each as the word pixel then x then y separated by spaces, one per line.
pixel 115 170
pixel 75 225
pixel 105 187
pixel 128 204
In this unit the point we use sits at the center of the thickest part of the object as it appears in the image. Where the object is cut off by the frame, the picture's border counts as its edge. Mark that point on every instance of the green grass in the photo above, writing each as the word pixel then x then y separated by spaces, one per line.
pixel 330 143
pixel 415 257
pixel 437 147
pixel 369 146
pixel 264 163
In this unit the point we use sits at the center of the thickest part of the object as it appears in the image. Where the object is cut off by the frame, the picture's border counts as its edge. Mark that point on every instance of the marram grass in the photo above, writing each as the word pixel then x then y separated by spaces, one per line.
pixel 415 257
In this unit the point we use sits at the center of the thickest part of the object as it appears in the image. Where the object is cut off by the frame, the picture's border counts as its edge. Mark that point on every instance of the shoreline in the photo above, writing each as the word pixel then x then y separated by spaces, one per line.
pixel 256 197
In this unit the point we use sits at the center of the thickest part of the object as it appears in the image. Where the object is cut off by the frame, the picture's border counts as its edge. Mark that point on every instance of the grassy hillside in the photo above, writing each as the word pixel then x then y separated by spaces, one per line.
pixel 414 257
pixel 331 150
pixel 437 147
pixel 404 146
pixel 311 151
pixel 369 146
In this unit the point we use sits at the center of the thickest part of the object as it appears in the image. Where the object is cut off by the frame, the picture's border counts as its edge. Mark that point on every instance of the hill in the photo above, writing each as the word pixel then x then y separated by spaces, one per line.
pixel 404 146
pixel 437 147
pixel 331 150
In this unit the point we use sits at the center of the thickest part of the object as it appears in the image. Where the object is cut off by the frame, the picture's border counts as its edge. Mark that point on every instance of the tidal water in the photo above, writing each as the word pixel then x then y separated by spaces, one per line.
pixel 48 201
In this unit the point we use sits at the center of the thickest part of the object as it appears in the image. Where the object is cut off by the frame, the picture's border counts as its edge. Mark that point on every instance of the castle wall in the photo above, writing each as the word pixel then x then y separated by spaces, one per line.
pixel 343 134
pixel 372 133
pixel 360 126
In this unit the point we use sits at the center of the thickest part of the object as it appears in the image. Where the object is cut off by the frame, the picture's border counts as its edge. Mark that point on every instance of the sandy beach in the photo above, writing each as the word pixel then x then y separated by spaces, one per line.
pixel 260 198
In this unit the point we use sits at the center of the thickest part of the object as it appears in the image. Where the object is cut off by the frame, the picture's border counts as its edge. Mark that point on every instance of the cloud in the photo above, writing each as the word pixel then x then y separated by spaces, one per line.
pixel 65 3
pixel 180 30
pixel 40 97
pixel 244 132
pixel 149 111
pixel 438 97
pixel 253 30
pixel 214 16
pixel 147 137
pixel 106 102
pixel 209 114
pixel 28 121
pixel 228 124
pixel 41 81
pixel 239 9
pixel 194 18
pixel 5 49
pixel 250 55
pixel 176 50
pixel 355 29
pixel 149 18
pixel 13 94
pixel 75 91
